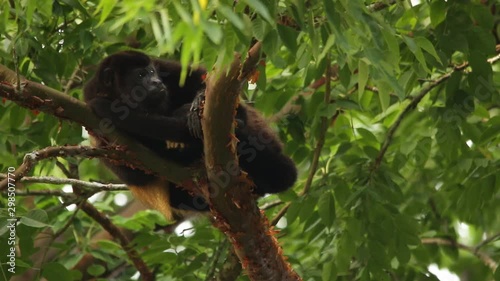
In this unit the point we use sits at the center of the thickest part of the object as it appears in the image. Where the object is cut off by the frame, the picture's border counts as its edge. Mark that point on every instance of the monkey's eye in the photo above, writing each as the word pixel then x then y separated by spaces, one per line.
pixel 142 73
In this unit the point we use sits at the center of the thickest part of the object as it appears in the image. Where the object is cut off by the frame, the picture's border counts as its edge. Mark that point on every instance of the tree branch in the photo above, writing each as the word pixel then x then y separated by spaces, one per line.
pixel 236 216
pixel 36 96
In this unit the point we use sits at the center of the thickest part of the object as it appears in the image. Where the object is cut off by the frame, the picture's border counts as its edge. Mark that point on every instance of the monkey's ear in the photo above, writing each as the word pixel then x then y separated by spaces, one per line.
pixel 107 77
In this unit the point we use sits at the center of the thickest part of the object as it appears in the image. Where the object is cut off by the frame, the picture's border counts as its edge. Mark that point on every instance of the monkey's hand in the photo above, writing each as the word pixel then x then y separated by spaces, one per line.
pixel 195 114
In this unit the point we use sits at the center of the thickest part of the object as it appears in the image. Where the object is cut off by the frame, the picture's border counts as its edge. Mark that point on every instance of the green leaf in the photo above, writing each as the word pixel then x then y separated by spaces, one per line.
pixel 86 39
pixel 489 134
pixel 327 110
pixel 231 16
pixel 453 83
pixel 366 99
pixel 270 44
pixel 157 32
pixel 259 29
pixel 393 47
pixel 346 248
pixel 213 31
pixel 497 274
pixel 17 117
pixel 45 7
pixel 326 48
pixel 345 76
pixel 293 212
pixel 326 209
pixel 355 196
pixel 347 104
pixel 427 46
pixel 35 218
pixel 367 135
pixel 4 16
pixel 422 151
pixel 403 253
pixel 329 272
pixel 342 192
pixel 56 272
pixel 183 13
pixel 77 5
pixel 297 10
pixel 481 41
pixel 105 6
pixel 378 253
pixel 96 270
pixel 261 9
pixel 482 15
pixel 415 49
pixel 30 9
pixel 363 72
pixel 109 245
pixel 438 12
pixel 329 8
pixel 408 228
pixel 307 208
pixel 384 95
pixel 288 36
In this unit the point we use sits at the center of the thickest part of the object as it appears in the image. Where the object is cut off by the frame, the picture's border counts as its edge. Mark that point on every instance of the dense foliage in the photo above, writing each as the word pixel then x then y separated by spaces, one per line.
pixel 409 173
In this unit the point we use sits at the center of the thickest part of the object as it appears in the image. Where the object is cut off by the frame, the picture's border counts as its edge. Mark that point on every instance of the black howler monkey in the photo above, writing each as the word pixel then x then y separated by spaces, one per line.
pixel 142 98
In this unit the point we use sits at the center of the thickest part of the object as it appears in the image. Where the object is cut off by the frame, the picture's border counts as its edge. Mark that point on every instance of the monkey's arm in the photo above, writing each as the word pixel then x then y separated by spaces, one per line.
pixel 196 112
pixel 172 128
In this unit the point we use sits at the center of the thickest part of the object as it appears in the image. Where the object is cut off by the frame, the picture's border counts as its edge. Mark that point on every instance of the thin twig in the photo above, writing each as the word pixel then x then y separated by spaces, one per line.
pixel 54 180
pixel 486 259
pixel 378 6
pixel 270 205
pixel 59 193
pixel 72 79
pixel 322 134
pixel 319 146
pixel 63 168
pixel 487 241
pixel 290 106
pixel 280 214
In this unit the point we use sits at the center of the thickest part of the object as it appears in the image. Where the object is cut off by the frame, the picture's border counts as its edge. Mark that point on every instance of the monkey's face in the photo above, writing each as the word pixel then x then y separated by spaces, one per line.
pixel 134 86
pixel 145 84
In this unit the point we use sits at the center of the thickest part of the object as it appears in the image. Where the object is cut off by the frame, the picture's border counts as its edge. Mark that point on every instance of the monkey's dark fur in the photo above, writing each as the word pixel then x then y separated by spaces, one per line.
pixel 141 97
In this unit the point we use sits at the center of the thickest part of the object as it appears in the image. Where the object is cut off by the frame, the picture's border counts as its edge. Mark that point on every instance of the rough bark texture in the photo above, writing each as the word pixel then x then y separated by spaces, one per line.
pixel 229 191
